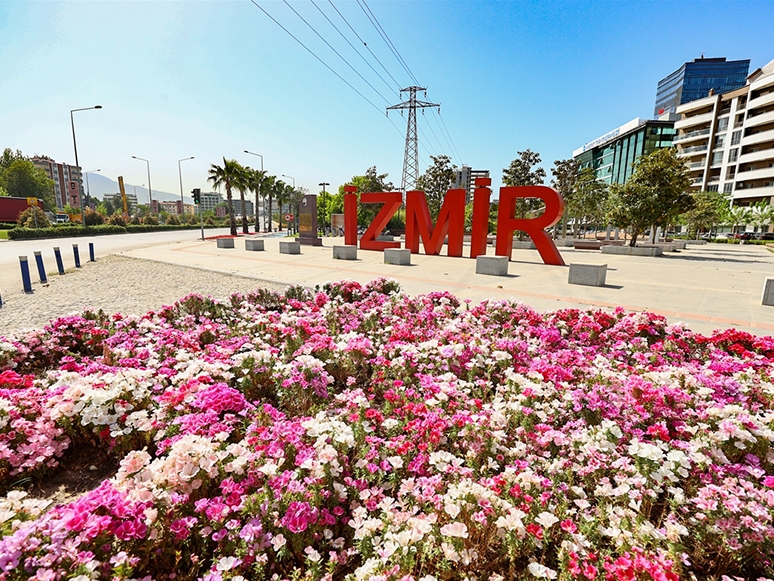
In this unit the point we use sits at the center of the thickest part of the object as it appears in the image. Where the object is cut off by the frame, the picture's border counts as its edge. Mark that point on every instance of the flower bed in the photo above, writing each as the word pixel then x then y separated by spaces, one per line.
pixel 357 433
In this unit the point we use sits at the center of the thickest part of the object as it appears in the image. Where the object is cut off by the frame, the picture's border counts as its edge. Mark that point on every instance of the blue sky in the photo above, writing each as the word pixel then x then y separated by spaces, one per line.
pixel 211 79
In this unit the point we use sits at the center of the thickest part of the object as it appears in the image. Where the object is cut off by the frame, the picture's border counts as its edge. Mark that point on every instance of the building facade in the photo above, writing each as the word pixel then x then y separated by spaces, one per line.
pixel 612 155
pixel 696 79
pixel 465 178
pixel 116 201
pixel 727 140
pixel 62 174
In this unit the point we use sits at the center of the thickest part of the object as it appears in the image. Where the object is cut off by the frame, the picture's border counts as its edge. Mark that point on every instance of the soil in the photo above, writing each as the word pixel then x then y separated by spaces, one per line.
pixel 79 471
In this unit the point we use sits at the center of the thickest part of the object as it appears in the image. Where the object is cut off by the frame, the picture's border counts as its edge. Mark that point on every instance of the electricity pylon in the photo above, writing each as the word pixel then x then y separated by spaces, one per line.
pixel 411 156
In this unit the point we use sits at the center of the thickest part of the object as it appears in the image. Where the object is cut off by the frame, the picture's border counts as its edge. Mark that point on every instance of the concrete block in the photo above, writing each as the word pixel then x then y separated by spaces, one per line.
pixel 345 252
pixel 588 274
pixel 636 251
pixel 524 244
pixel 385 238
pixel 288 247
pixel 696 242
pixel 254 244
pixel 401 256
pixel 494 265
pixel 225 243
pixel 768 293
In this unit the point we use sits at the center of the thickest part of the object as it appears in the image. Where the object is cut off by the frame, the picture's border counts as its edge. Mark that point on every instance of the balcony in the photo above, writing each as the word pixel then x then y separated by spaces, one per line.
pixel 695 120
pixel 694 149
pixel 767 99
pixel 762 192
pixel 764 154
pixel 760 119
pixel 761 173
pixel 697 165
pixel 691 135
pixel 760 137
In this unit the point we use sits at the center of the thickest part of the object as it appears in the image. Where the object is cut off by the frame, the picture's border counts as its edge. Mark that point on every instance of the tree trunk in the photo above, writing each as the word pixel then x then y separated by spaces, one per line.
pixel 245 229
pixel 633 242
pixel 268 218
pixel 232 220
pixel 257 216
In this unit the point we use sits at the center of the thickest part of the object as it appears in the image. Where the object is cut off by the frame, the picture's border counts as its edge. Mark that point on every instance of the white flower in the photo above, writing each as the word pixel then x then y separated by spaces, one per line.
pixel 455 529
pixel 227 563
pixel 546 520
pixel 312 555
pixel 278 542
pixel 541 571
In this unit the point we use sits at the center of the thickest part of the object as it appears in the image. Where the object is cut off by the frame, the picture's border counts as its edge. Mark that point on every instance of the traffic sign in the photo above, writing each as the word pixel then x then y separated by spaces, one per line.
pixel 32 201
pixel 289 217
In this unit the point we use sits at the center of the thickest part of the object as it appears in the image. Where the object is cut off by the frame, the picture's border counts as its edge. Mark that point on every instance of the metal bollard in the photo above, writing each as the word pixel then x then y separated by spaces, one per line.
pixel 25 270
pixel 91 252
pixel 59 263
pixel 41 268
pixel 77 256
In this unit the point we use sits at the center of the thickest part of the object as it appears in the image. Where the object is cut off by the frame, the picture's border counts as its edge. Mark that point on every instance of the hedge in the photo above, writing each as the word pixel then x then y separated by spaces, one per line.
pixel 78 230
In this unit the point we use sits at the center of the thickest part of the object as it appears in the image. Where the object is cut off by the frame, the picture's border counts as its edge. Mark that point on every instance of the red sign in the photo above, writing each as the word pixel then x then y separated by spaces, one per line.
pixel 451 220
pixel 289 217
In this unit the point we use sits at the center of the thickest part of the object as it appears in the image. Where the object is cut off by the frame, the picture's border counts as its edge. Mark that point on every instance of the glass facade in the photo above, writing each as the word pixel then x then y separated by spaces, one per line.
pixel 614 161
pixel 695 79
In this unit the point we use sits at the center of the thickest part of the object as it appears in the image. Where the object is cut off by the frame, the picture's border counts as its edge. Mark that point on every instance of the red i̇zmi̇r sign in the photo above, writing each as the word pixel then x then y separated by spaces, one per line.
pixel 451 220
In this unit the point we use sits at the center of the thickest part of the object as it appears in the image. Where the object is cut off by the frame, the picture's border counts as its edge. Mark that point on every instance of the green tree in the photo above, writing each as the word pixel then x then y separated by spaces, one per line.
pixel 370 182
pixel 267 186
pixel 255 179
pixel 655 195
pixel 588 203
pixel 22 179
pixel 709 210
pixel 436 181
pixel 524 171
pixel 565 172
pixel 33 217
pixel 227 175
pixel 761 214
pixel 737 216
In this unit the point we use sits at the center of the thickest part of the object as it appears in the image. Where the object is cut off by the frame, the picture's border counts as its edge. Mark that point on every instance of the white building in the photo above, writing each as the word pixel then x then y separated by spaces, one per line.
pixel 727 140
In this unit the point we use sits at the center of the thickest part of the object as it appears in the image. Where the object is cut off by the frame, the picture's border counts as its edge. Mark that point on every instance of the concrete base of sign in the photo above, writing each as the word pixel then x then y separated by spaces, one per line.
pixel 225 243
pixel 524 244
pixel 494 265
pixel 345 252
pixel 667 246
pixel 287 247
pixel 309 241
pixel 696 242
pixel 253 244
pixel 636 251
pixel 385 238
pixel 588 274
pixel 768 293
pixel 401 256
pixel 566 242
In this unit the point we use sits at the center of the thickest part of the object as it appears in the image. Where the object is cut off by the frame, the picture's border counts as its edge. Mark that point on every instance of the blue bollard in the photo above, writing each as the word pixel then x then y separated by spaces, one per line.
pixel 77 256
pixel 91 252
pixel 1 298
pixel 41 268
pixel 25 269
pixel 59 263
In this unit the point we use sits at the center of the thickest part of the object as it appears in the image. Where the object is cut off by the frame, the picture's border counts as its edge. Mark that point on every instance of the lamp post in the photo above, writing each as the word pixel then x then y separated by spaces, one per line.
pixel 88 194
pixel 260 192
pixel 75 147
pixel 294 190
pixel 180 174
pixel 150 194
pixel 323 184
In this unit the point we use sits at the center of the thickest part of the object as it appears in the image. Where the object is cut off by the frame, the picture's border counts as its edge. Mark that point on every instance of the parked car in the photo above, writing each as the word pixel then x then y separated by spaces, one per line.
pixel 62 218
pixel 749 236
pixel 767 236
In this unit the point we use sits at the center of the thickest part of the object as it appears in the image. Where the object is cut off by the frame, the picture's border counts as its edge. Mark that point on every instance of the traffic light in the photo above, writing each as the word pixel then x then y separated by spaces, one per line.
pixel 197 195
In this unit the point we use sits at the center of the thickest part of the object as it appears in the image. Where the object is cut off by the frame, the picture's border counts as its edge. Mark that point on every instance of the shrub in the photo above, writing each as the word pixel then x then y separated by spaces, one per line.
pixel 117 219
pixel 150 220
pixel 93 218
pixel 33 217
pixel 172 220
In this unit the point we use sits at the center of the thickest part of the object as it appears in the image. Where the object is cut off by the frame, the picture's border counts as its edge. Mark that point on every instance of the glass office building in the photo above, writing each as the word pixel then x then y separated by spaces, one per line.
pixel 613 155
pixel 694 80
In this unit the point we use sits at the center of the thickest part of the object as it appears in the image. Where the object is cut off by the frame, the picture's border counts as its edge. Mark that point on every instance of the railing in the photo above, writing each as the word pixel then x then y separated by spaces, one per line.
pixel 738 124
pixel 692 134
pixel 695 149
pixel 696 165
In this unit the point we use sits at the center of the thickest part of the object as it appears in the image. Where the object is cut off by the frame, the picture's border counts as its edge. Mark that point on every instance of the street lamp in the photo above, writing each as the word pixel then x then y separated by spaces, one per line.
pixel 323 184
pixel 180 173
pixel 260 192
pixel 75 147
pixel 294 191
pixel 88 195
pixel 150 195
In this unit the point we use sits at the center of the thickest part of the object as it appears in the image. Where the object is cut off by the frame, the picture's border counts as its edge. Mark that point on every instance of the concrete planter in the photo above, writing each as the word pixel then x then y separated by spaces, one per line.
pixel 289 247
pixel 588 274
pixel 492 265
pixel 253 244
pixel 225 242
pixel 636 251
pixel 400 256
pixel 345 252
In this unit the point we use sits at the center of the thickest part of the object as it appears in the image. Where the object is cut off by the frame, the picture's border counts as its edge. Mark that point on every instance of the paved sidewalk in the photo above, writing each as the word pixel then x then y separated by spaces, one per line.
pixel 707 287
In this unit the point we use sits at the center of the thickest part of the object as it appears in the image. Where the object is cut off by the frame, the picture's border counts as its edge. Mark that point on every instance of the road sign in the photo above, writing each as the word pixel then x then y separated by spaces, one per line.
pixel 289 217
pixel 32 201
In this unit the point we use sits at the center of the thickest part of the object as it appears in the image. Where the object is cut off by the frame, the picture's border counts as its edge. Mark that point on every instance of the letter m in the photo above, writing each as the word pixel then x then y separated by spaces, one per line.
pixel 451 221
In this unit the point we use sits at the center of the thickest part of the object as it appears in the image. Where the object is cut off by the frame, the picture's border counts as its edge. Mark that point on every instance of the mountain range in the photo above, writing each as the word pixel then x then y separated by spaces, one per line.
pixel 100 185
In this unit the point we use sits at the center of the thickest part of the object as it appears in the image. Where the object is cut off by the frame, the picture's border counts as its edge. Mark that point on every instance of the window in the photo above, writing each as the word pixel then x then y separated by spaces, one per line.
pixel 722 124
pixel 720 140
pixel 736 137
pixel 728 188
pixel 733 155
pixel 712 188
pixel 717 158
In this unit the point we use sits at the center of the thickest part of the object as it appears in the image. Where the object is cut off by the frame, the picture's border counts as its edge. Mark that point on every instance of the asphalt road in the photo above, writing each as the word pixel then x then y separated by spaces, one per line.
pixel 10 250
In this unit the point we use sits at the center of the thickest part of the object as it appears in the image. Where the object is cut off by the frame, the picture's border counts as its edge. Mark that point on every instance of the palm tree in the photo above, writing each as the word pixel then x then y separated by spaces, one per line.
pixel 255 179
pixel 242 183
pixel 738 215
pixel 279 190
pixel 228 176
pixel 268 190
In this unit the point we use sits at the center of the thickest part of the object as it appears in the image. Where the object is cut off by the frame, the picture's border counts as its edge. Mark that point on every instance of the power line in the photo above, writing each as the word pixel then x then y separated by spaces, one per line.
pixel 370 15
pixel 351 45
pixel 334 50
pixel 315 56
pixel 397 84
pixel 430 127
pixel 447 135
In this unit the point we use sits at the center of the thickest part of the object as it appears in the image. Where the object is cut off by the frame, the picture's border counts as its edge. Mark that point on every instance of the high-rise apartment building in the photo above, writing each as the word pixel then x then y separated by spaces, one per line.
pixel 727 140
pixel 465 178
pixel 62 174
pixel 613 154
pixel 696 79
